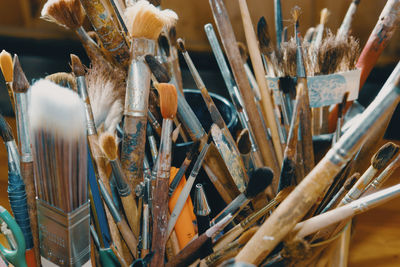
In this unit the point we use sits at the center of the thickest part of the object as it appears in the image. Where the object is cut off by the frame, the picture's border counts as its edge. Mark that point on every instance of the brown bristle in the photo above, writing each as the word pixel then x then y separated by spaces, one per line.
pixel 243 51
pixel 108 145
pixel 168 100
pixel 351 181
pixel 247 235
pixel 181 45
pixel 243 142
pixel 324 16
pixel 384 155
pixel 283 194
pixel 146 21
pixel 296 10
pixel 20 83
pixel 172 36
pixel 63 79
pixel 6 65
pixel 296 249
pixel 76 66
pixel 155 2
pixel 67 13
pixel 263 36
pixel 175 133
pixel 158 70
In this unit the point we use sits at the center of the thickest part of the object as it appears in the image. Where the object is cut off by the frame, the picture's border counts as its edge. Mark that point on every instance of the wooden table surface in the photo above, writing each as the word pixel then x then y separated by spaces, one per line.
pixel 376 239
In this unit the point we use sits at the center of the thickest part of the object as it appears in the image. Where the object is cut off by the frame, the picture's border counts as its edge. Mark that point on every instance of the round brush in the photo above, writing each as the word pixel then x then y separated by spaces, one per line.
pixel 6 66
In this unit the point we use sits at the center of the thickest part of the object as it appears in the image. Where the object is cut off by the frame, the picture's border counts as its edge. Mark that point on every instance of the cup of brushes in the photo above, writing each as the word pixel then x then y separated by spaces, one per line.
pixel 67 139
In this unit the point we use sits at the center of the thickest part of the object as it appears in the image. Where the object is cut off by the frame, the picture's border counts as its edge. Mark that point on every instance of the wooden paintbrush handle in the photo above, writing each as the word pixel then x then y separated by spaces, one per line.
pixel 27 176
pixel 189 254
pixel 229 237
pixel 128 236
pixel 133 146
pixel 128 202
pixel 288 213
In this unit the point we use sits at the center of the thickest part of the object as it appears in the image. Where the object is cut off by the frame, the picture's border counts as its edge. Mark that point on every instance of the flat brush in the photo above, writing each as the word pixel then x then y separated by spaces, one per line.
pixel 6 66
pixel 231 157
pixel 345 28
pixel 108 145
pixel 192 251
pixel 20 87
pixel 260 179
pixel 168 107
pixel 250 220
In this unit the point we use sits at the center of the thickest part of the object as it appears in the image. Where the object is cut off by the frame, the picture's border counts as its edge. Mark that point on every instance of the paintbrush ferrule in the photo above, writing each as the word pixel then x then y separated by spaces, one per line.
pixel 145 228
pixel 13 155
pixel 153 147
pixel 21 100
pixel 82 91
pixel 153 120
pixel 122 183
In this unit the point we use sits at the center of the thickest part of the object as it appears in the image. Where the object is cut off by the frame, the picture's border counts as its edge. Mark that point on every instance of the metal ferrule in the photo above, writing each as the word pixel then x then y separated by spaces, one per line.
pixel 153 148
pixel 199 160
pixel 145 227
pixel 153 120
pixel 13 155
pixel 233 207
pixel 164 159
pixel 122 185
pixel 201 206
pixel 82 91
pixel 138 81
pixel 382 106
pixel 21 108
pixel 375 199
pixel 109 202
pixel 12 163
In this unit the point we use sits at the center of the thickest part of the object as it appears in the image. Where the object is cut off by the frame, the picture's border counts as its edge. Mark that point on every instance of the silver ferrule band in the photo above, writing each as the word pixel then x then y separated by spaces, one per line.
pixel 82 91
pixel 23 126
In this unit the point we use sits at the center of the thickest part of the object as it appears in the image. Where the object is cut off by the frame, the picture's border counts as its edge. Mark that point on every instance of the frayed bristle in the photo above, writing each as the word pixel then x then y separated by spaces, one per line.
pixel 76 65
pixel 164 45
pixel 146 21
pixel 259 180
pixel 243 142
pixel 20 82
pixel 247 235
pixel 5 130
pixel 168 100
pixel 158 70
pixel 384 155
pixel 283 194
pixel 56 110
pixel 108 145
pixel 243 51
pixel 63 79
pixel 324 16
pixel 181 45
pixel 6 65
pixel 296 11
pixel 263 36
pixel 66 13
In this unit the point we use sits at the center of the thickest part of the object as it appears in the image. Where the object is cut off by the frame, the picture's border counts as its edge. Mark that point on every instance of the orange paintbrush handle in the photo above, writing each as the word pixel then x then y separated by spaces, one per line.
pixel 30 258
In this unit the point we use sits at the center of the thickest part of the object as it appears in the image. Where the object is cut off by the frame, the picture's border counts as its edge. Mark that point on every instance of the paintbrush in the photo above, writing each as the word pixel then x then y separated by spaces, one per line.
pixel 108 145
pixel 282 220
pixel 6 67
pixel 202 211
pixel 145 232
pixel 168 107
pixel 144 22
pixel 63 79
pixel 255 56
pixel 59 148
pixel 238 229
pixel 231 156
pixel 9 141
pixel 345 28
pixel 309 36
pixel 319 30
pixel 259 180
pixel 192 251
pixel 266 47
pixel 174 59
pixel 278 22
pixel 190 155
pixel 228 40
pixel 339 123
pixel 99 161
pixel 152 143
pixel 20 88
pixel 188 186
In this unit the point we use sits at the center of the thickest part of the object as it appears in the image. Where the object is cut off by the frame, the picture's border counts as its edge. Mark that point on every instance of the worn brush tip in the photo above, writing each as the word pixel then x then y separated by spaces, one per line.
pixel 5 130
pixel 108 145
pixel 181 45
pixel 259 180
pixel 287 84
pixel 168 100
pixel 77 66
pixel 263 33
pixel 351 181
pixel 324 16
pixel 66 13
pixel 384 155
pixel 6 65
pixel 157 69
pixel 194 150
pixel 245 237
pixel 243 142
pixel 283 194
pixel 20 82
pixel 164 44
pixel 296 11
pixel 243 51
pixel 63 79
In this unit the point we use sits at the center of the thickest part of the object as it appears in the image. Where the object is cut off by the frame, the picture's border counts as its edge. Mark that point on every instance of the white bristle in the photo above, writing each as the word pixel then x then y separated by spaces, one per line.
pixel 57 110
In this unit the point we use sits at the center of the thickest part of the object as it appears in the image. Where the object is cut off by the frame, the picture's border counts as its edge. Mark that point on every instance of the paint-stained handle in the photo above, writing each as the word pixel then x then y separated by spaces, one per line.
pixel 128 236
pixel 133 146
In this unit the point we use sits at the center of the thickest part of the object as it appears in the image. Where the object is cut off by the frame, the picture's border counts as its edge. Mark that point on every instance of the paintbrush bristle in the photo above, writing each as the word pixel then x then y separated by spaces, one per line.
pixel 56 110
pixel 157 69
pixel 384 155
pixel 146 21
pixel 63 79
pixel 243 51
pixel 168 100
pixel 259 180
pixel 296 11
pixel 247 235
pixel 6 65
pixel 20 82
pixel 108 145
pixel 263 36
pixel 66 13
pixel 283 194
pixel 324 16
pixel 181 45
pixel 76 65
pixel 5 130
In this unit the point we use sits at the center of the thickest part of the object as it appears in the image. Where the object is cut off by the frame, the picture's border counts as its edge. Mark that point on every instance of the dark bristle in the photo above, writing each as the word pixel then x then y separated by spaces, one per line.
pixel 287 84
pixel 263 34
pixel 155 2
pixel 194 150
pixel 76 66
pixel 157 69
pixel 259 180
pixel 5 130
pixel 20 82
pixel 181 45
pixel 243 142
pixel 243 51
pixel 172 36
pixel 384 155
pixel 351 181
pixel 288 174
pixel 164 44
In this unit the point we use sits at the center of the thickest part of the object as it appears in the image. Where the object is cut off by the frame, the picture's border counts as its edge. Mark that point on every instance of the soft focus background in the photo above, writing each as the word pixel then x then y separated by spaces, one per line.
pixel 44 48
